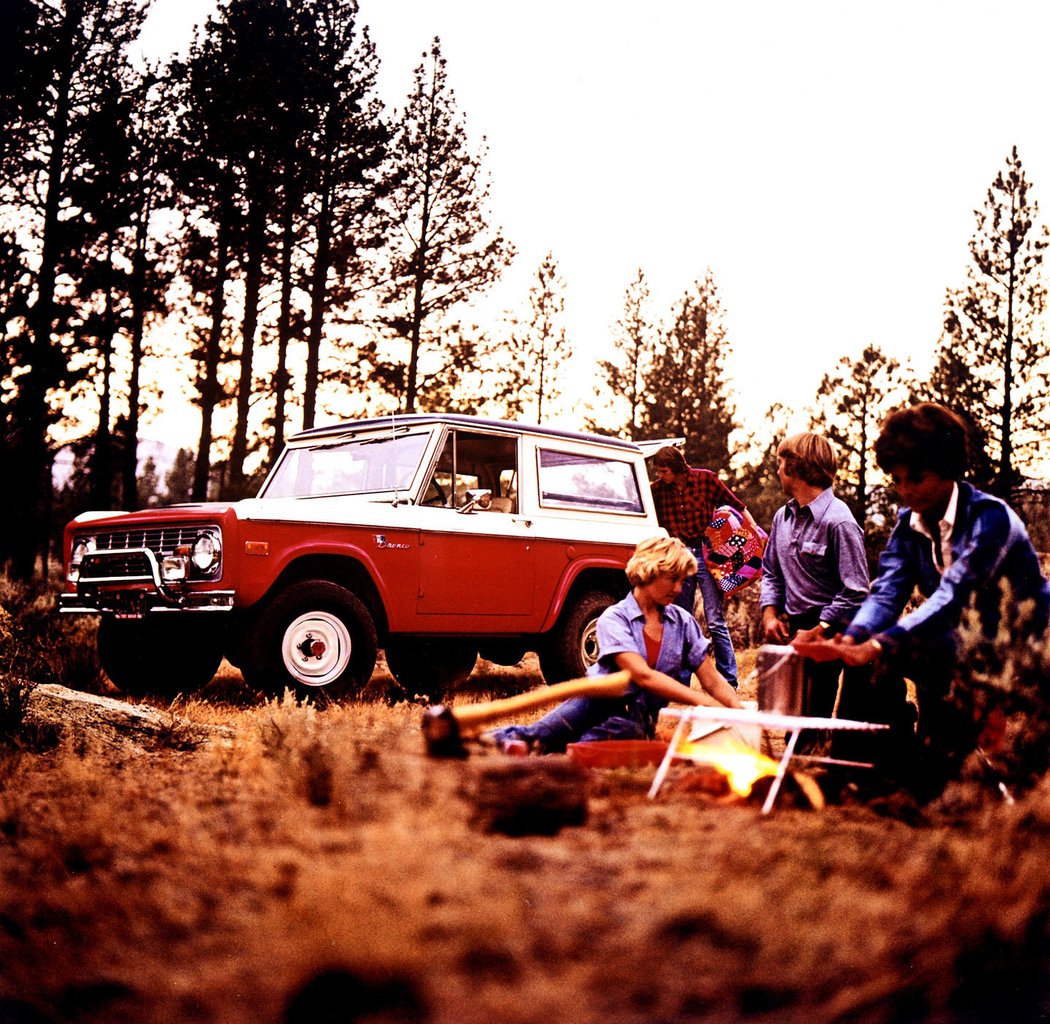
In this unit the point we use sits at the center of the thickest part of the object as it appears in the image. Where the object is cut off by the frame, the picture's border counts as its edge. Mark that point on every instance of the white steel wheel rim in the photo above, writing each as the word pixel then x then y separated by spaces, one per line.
pixel 316 648
pixel 589 643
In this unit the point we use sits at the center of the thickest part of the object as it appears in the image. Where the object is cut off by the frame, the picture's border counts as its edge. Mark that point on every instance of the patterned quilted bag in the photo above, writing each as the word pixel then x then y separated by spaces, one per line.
pixel 733 550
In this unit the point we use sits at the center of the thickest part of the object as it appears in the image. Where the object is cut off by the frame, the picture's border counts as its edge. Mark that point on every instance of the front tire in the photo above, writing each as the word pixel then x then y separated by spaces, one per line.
pixel 315 637
pixel 162 655
pixel 572 646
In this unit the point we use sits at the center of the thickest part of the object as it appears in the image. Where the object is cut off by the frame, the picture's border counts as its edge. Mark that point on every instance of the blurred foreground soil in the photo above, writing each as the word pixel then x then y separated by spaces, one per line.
pixel 275 864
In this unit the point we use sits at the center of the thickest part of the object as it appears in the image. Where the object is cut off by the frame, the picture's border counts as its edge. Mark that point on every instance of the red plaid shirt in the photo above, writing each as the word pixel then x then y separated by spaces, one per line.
pixel 686 510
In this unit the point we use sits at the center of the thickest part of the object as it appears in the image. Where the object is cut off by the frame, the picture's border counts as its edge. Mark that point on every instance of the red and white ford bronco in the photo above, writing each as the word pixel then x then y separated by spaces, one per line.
pixel 435 537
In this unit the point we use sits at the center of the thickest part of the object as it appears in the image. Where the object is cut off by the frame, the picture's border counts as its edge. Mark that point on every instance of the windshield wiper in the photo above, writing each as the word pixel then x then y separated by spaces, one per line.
pixel 338 442
pixel 390 435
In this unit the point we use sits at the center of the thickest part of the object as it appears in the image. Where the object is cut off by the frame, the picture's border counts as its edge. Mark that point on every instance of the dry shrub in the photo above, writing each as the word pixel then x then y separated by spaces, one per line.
pixel 290 734
pixel 75 657
pixel 743 613
pixel 20 668
pixel 1002 680
pixel 51 647
pixel 15 692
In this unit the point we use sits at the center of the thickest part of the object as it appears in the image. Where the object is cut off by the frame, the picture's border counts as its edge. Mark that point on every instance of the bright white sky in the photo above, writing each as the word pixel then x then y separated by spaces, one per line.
pixel 823 158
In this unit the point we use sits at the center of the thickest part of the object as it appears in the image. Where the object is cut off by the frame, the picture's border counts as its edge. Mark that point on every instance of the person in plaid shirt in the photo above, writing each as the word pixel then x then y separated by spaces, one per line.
pixel 686 500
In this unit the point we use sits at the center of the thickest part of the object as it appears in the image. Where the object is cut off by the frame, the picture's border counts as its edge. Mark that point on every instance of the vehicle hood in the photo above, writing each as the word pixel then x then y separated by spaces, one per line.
pixel 147 516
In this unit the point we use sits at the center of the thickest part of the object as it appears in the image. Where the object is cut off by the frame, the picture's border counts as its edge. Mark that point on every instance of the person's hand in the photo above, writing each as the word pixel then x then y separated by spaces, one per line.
pixel 774 626
pixel 854 654
pixel 816 635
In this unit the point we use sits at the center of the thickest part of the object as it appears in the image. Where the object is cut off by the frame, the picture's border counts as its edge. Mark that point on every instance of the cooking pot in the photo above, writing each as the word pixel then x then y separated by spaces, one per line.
pixel 783 683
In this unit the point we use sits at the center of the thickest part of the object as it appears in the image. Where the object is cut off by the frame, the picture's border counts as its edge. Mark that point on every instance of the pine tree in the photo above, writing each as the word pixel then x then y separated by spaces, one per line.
pixel 633 343
pixel 529 363
pixel 243 91
pixel 116 264
pixel 755 480
pixel 62 55
pixel 851 402
pixel 178 482
pixel 992 361
pixel 686 387
pixel 954 381
pixel 344 160
pixel 445 250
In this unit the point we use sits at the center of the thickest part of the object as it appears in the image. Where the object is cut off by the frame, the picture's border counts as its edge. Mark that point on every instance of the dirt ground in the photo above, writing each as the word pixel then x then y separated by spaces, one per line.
pixel 279 864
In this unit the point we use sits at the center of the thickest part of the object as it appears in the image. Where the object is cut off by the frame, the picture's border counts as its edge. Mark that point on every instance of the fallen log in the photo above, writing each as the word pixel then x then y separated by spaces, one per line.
pixel 56 710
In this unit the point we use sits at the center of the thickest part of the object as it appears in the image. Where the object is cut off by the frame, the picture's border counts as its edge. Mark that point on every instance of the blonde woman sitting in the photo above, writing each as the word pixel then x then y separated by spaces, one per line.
pixel 656 641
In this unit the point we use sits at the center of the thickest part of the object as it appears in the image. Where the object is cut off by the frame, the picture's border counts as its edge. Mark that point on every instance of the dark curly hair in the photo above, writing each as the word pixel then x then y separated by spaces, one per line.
pixel 923 438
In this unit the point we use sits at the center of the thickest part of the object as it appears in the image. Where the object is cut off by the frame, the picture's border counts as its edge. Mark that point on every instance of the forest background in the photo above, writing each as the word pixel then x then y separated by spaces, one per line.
pixel 251 222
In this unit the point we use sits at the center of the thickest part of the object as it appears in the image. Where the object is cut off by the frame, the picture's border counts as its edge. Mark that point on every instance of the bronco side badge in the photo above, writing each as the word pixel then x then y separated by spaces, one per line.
pixel 382 542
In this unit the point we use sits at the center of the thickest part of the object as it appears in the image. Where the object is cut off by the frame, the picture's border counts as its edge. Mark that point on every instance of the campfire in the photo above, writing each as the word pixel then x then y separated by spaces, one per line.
pixel 725 765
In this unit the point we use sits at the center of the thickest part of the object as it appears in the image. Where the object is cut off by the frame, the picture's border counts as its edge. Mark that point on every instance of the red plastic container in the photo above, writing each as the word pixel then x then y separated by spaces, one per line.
pixel 617 753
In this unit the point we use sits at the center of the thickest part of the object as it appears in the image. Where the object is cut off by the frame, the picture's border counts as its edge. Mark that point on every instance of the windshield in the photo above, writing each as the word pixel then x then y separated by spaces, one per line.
pixel 350 465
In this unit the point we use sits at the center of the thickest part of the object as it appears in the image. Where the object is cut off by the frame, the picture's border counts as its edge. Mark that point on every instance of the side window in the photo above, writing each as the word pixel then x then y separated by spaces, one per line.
pixel 570 480
pixel 469 461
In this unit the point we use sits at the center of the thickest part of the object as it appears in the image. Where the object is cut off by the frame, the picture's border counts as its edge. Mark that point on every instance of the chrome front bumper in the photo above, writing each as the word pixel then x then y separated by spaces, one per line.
pixel 136 589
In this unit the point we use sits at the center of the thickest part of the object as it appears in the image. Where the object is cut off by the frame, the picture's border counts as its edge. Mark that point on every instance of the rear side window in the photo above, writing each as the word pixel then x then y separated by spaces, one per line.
pixel 570 480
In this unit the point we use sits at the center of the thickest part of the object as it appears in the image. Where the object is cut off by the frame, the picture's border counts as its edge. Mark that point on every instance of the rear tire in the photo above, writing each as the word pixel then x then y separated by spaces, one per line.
pixel 430 665
pixel 162 655
pixel 572 646
pixel 315 637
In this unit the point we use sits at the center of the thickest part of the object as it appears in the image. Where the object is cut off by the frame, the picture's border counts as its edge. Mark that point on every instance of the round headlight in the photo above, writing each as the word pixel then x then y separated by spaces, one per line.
pixel 206 552
pixel 81 546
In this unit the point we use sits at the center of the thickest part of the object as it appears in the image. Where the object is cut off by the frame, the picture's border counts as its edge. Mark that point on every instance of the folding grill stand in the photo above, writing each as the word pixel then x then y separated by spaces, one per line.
pixel 791 724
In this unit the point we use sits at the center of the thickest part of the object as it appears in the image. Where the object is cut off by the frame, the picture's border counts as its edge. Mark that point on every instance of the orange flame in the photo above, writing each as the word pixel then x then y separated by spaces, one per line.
pixel 739 762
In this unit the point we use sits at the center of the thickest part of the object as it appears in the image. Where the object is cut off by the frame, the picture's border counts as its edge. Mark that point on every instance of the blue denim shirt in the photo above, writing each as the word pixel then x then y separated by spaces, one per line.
pixel 989 544
pixel 814 559
pixel 682 650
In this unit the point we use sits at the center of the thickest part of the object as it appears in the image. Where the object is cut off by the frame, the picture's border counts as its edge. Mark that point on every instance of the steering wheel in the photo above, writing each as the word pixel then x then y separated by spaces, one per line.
pixel 438 499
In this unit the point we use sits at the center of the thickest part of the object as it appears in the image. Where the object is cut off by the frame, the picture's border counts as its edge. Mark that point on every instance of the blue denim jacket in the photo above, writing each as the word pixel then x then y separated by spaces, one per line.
pixel 683 648
pixel 989 544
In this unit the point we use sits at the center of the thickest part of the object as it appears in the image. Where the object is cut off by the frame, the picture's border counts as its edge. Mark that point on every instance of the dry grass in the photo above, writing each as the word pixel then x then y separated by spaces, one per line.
pixel 319 859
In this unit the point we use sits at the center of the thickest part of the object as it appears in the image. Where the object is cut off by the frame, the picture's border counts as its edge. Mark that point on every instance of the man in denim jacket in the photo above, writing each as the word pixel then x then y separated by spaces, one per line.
pixel 957 545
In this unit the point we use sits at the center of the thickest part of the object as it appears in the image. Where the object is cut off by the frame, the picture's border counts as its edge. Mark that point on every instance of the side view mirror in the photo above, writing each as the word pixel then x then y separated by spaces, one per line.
pixel 477 497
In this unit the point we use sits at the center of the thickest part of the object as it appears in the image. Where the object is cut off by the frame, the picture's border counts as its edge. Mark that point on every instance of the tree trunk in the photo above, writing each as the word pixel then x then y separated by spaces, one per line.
pixel 129 468
pixel 281 379
pixel 102 459
pixel 318 300
pixel 209 385
pixel 252 287
pixel 32 479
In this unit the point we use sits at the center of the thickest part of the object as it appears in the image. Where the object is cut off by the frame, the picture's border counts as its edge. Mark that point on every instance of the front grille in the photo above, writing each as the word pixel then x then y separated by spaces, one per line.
pixel 161 540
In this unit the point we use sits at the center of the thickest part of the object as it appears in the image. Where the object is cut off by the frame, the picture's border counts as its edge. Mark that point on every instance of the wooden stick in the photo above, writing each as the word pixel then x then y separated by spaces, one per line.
pixel 470 717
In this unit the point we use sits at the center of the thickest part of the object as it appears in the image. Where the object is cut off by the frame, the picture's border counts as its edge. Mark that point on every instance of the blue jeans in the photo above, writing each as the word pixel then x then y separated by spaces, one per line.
pixel 725 656
pixel 583 720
